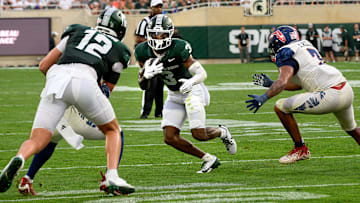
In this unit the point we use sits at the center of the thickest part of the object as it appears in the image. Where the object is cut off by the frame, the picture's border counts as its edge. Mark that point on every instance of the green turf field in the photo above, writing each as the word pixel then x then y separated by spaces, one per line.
pixel 161 173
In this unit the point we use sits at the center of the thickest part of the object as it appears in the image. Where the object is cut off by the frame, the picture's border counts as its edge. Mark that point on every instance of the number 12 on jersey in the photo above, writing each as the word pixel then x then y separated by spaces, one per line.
pixel 102 44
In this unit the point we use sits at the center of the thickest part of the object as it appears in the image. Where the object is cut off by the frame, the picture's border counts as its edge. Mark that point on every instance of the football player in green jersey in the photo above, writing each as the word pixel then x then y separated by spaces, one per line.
pixel 187 96
pixel 84 56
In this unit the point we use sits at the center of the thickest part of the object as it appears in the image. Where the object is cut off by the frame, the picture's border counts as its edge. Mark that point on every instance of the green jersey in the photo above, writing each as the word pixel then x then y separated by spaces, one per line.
pixel 85 45
pixel 344 37
pixel 357 33
pixel 173 60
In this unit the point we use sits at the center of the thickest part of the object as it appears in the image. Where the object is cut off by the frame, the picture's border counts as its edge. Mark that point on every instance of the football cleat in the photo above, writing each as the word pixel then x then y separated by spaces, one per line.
pixel 25 186
pixel 228 140
pixel 210 164
pixel 115 186
pixel 8 174
pixel 297 154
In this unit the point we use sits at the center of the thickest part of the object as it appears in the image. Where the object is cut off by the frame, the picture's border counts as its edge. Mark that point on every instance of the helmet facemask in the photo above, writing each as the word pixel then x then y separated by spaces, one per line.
pixel 159 32
pixel 159 39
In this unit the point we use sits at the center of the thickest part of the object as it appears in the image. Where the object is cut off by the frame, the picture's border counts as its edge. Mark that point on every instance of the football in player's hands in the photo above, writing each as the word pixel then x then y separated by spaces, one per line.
pixel 152 67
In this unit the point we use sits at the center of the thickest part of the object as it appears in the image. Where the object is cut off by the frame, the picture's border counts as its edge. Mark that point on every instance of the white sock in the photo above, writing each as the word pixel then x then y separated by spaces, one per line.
pixel 27 177
pixel 112 173
pixel 207 157
pixel 21 157
pixel 357 59
pixel 223 133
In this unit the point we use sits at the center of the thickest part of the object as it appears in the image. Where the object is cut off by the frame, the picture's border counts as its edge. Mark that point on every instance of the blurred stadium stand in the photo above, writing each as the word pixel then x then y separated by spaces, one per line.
pixel 210 26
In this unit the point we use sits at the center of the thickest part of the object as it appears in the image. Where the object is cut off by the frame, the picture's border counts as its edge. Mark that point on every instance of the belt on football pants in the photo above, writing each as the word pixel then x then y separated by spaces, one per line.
pixel 339 86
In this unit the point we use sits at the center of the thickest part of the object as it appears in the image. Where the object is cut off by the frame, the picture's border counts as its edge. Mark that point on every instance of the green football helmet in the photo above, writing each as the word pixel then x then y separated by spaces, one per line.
pixel 159 32
pixel 112 22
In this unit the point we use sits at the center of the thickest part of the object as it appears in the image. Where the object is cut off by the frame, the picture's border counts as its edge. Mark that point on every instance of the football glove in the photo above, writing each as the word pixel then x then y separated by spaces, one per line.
pixel 187 85
pixel 105 89
pixel 256 102
pixel 152 67
pixel 262 80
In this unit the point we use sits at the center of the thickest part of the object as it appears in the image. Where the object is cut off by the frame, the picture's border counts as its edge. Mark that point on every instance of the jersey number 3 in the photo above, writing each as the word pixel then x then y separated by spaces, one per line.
pixel 102 46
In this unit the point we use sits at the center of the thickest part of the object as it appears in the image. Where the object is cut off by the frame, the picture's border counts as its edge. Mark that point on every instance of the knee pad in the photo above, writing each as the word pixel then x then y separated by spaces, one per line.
pixel 282 105
pixel 195 111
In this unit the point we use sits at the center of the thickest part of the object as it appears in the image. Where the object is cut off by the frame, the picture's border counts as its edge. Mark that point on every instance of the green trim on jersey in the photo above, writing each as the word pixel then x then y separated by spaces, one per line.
pixel 173 61
pixel 88 46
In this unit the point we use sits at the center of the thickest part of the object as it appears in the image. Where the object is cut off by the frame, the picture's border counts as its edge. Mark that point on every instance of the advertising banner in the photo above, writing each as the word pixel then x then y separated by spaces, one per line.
pixel 24 36
pixel 211 42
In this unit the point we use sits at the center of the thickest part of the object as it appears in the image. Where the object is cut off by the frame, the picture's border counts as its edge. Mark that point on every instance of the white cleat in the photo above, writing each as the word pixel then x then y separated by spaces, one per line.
pixel 115 186
pixel 209 164
pixel 228 140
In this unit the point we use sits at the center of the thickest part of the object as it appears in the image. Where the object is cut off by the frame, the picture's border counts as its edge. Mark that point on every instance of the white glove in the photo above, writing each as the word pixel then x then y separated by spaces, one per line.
pixel 152 69
pixel 187 85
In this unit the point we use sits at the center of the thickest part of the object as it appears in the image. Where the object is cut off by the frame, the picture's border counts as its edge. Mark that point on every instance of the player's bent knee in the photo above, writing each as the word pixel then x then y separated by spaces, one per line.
pixel 281 104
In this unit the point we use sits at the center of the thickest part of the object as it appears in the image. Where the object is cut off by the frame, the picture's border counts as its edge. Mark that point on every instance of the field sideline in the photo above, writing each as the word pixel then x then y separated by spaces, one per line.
pixel 162 174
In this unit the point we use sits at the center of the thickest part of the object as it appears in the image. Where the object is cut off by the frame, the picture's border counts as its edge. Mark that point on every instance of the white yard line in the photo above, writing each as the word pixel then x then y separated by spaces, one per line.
pixel 187 163
pixel 241 196
pixel 197 143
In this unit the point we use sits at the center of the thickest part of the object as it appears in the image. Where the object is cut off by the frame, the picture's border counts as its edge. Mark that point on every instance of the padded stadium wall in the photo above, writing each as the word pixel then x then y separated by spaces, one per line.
pixel 193 22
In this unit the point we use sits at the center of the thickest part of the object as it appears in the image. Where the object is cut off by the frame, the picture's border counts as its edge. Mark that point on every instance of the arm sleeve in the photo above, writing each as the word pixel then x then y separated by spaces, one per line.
pixel 199 73
pixel 62 44
pixel 111 77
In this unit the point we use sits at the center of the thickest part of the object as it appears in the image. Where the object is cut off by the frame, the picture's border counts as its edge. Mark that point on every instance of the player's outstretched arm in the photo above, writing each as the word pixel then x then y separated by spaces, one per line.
pixel 286 72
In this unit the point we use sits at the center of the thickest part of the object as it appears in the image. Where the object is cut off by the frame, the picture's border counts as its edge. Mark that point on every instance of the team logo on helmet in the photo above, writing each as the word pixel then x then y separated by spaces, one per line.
pixel 280 36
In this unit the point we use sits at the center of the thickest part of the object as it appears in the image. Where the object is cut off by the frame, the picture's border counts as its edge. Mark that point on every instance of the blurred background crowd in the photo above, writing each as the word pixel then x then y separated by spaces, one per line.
pixel 142 6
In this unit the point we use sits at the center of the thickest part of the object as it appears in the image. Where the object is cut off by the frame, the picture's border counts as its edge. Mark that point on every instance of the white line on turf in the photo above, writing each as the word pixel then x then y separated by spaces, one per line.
pixel 198 143
pixel 216 197
pixel 172 189
pixel 188 163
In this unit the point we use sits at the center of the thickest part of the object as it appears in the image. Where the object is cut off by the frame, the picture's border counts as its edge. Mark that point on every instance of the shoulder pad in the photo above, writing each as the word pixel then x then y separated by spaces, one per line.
pixel 182 48
pixel 125 53
pixel 141 52
pixel 72 28
pixel 283 55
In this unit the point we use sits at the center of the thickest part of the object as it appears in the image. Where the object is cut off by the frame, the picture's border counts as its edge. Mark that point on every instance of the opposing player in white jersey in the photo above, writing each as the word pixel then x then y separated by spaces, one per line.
pixel 301 67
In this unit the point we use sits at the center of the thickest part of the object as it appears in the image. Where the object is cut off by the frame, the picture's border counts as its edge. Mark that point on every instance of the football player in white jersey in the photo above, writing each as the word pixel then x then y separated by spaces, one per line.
pixel 301 67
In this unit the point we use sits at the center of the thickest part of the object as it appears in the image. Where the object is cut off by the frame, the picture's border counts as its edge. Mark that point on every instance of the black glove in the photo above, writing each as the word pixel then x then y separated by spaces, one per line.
pixel 256 102
pixel 105 89
pixel 262 80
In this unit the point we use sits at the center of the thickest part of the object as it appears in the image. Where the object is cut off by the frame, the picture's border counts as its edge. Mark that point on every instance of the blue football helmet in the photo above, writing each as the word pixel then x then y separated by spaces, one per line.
pixel 282 36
